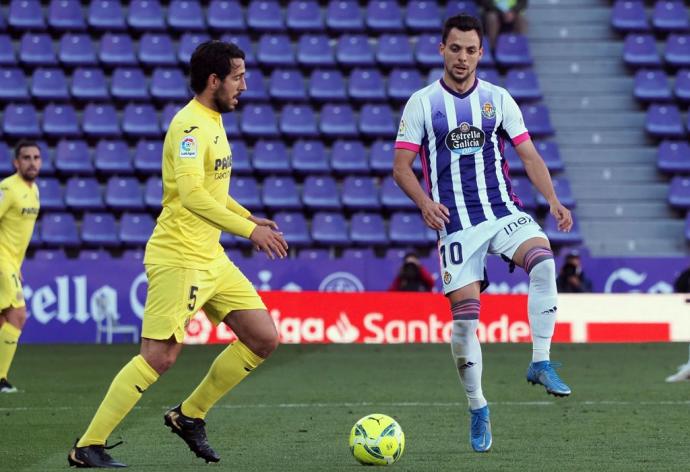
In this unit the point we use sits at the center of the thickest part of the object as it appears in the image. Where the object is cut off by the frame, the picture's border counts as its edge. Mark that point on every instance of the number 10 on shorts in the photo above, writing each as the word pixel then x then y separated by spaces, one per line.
pixel 454 253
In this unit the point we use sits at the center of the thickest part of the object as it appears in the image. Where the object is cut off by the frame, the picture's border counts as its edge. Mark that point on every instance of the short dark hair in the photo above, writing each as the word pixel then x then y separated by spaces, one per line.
pixel 23 144
pixel 463 23
pixel 212 57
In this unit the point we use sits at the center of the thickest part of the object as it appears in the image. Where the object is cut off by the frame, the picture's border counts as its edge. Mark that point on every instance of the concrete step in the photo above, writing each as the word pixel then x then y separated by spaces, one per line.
pixel 604 173
pixel 566 102
pixel 601 120
pixel 560 32
pixel 552 67
pixel 602 156
pixel 640 247
pixel 591 86
pixel 572 13
pixel 609 139
pixel 615 211
pixel 587 192
pixel 634 228
pixel 576 50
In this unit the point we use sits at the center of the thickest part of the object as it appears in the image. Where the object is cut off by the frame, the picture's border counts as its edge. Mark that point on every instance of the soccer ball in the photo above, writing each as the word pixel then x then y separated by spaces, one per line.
pixel 377 440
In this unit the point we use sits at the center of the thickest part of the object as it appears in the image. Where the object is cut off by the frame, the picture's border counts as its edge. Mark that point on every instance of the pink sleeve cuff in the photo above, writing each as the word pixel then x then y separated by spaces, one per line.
pixel 520 138
pixel 407 146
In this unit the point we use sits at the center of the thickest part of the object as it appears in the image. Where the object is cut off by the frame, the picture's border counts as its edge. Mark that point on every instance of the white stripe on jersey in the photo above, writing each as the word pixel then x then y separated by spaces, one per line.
pixel 455 166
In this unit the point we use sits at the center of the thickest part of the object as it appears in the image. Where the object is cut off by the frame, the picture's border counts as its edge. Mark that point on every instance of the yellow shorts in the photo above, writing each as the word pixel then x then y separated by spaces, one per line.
pixel 175 294
pixel 11 291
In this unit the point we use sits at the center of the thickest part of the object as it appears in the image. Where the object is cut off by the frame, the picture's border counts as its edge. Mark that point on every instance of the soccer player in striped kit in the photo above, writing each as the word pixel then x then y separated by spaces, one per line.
pixel 459 125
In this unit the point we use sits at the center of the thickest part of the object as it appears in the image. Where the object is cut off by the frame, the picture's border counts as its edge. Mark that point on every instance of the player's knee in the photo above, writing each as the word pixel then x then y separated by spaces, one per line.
pixel 161 362
pixel 266 344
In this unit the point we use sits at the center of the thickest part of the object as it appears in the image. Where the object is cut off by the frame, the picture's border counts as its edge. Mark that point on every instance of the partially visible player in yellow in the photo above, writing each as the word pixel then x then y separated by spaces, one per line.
pixel 187 268
pixel 19 207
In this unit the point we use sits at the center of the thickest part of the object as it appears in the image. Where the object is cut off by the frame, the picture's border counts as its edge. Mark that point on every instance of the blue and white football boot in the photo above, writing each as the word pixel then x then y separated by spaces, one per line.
pixel 543 373
pixel 480 429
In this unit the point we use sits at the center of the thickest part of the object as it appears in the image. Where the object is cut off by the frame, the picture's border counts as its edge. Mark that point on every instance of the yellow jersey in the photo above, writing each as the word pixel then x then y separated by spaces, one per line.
pixel 19 206
pixel 195 145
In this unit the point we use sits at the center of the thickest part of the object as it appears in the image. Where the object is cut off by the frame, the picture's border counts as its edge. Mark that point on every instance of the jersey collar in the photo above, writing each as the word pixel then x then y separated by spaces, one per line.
pixel 205 110
pixel 456 94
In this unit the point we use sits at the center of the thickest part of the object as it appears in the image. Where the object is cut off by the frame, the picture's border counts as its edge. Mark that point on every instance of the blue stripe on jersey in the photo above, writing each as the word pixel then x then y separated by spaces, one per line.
pixel 468 172
pixel 498 206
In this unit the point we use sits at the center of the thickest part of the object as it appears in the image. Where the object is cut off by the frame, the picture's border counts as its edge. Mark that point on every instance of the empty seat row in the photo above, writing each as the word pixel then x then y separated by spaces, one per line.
pixel 653 85
pixel 97 229
pixel 664 121
pixel 667 16
pixel 674 157
pixel 640 50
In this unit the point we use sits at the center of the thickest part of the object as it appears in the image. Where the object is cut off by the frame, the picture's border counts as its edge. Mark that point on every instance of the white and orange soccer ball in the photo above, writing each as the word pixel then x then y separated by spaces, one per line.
pixel 377 439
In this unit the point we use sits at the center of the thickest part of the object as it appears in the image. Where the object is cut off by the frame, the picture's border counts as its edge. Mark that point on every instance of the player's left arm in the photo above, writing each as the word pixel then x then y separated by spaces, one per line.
pixel 235 207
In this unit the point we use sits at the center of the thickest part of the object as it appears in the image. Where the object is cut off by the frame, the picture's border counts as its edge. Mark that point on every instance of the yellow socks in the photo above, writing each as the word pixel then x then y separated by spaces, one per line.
pixel 9 336
pixel 230 367
pixel 124 392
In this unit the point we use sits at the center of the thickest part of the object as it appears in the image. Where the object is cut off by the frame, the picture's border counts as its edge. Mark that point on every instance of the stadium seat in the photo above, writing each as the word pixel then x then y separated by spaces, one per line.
pixel 565 194
pixel 487 60
pixel 360 193
pixel 392 196
pixel 128 83
pixel 148 156
pixel 60 121
pixel 366 85
pixel 687 227
pixel 537 120
pixel 66 15
pixel 244 43
pixel 629 16
pixel 117 50
pixel 674 156
pixel 310 157
pixel 13 85
pixel 327 85
pixel 72 158
pixel 550 153
pixel 314 50
pixel 6 157
pixel 287 85
pixel 679 192
pixel 112 157
pixel 231 123
pixel 49 84
pixel 354 50
pixel 294 228
pixel 423 16
pixel 156 49
pixel 314 254
pixel 169 111
pixel 77 49
pixel 559 238
pixel 338 121
pixel 490 75
pixel 652 85
pixel 246 191
pixel 51 194
pixel 135 229
pixel 20 121
pixel 133 255
pixel 523 189
pixel 124 193
pixel 515 164
pixel 298 121
pixel 426 51
pixel 280 193
pixel 169 84
pixel 523 85
pixel 402 83
pixel 100 120
pixel 468 7
pixel 153 193
pixel 186 15
pixel 146 15
pixel 664 121
pixel 259 121
pixel 256 89
pixel 50 255
pixel 59 229
pixel 407 229
pixel 344 16
pixel 99 229
pixel 639 50
pixel 7 56
pixel 512 50
pixel 89 85
pixel 368 229
pixel 677 52
pixel 36 49
pixel 381 158
pixel 224 15
pixel 357 253
pixel 377 121
pixel 275 51
pixel 241 164
pixel 304 16
pixel 83 193
pixel 106 15
pixel 383 16
pixel 349 157
pixel 187 44
pixel 3 24
pixel 329 229
pixel 271 157
pixel 320 192
pixel 670 15
pixel 140 121
pixel 265 16
pixel 682 86
pixel 26 15
pixel 99 255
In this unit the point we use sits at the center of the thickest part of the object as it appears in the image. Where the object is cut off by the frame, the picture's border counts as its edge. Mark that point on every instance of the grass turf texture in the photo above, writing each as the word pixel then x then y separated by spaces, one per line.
pixel 295 412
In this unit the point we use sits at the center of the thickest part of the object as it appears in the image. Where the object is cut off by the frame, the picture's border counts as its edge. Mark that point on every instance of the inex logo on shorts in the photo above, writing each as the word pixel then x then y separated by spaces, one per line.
pixel 465 139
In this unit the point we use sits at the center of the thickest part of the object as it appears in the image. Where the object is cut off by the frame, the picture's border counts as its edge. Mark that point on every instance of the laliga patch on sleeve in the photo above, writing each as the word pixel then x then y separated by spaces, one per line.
pixel 401 129
pixel 188 147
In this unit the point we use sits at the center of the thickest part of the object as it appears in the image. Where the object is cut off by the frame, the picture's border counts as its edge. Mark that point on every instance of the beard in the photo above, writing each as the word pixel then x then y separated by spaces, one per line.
pixel 222 104
pixel 29 175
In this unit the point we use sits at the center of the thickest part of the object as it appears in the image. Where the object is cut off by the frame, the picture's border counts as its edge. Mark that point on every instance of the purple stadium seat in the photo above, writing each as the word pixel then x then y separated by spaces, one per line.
pixel 423 16
pixel 515 164
pixel 392 196
pixel 677 52
pixel 6 166
pixel 366 85
pixel 394 50
pixel 26 15
pixel 468 7
pixel 246 191
pixel 670 16
pixel 89 85
pixel 679 192
pixel 687 227
pixel 124 193
pixel 187 44
pixel 94 254
pixel 3 24
pixel 294 228
pixel 537 120
pixel 320 192
pixel 407 229
pixel 241 164
pixel 135 229
pixel 314 254
pixel 559 238
pixel 99 229
pixel 265 15
pixel 426 51
pixel 682 86
pixel 13 85
pixel 140 121
pixel 522 187
pixel 280 193
pixel 259 121
pixel 59 229
pixel 77 49
pixel 523 85
pixel 664 121
pixel 271 157
pixel 129 83
pixel 377 121
pixel 329 229
pixel 7 56
pixel 186 15
pixel 360 193
pixel 60 121
pixel 225 15
pixel 106 15
pixel 287 85
pixel 565 194
pixel 338 120
pixel 36 49
pixel 674 156
pixel 244 43
pixel 639 50
pixel 100 120
pixel 117 50
pixel 49 84
pixel 231 123
pixel 146 15
pixel 168 113
pixel 512 50
pixel 310 157
pixel 72 157
pixel 489 75
pixel 349 157
pixel 344 16
pixel 304 15
pixel 256 88
pixel 652 85
pixel 133 255
pixel 66 15
pixel 21 121
pixel 402 83
pixel 148 156
pixel 52 197
pixel 368 229
pixel 354 50
pixel 628 16
pixel 113 157
pixel 169 84
pixel 355 253
pixel 381 159
pixel 551 155
pixel 156 49
pixel 83 193
pixel 298 121
pixel 56 255
pixel 153 193
pixel 327 85
pixel 315 50
pixel 384 15
pixel 487 60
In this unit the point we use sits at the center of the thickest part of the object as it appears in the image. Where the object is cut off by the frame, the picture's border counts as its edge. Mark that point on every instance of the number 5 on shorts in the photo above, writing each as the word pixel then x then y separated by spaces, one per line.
pixel 192 297
pixel 455 253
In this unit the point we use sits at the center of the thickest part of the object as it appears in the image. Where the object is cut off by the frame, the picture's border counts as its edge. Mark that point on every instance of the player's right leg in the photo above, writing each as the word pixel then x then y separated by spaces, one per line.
pixel 682 374
pixel 12 319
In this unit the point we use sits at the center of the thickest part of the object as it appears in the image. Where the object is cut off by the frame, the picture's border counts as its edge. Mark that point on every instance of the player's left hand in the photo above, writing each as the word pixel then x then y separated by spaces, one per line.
pixel 263 222
pixel 562 215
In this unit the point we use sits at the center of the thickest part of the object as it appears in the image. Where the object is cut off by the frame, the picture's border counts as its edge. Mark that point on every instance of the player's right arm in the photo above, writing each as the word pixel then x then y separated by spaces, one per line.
pixel 5 200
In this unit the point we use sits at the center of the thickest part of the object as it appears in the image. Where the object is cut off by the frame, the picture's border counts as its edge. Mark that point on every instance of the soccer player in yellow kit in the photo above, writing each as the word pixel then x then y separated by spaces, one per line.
pixel 19 207
pixel 187 268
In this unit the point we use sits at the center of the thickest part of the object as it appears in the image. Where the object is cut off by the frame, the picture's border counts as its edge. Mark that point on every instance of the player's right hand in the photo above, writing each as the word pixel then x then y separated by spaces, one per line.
pixel 435 215
pixel 269 241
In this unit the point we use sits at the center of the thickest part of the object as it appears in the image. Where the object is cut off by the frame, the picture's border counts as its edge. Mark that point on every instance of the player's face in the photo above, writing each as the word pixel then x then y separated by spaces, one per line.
pixel 228 93
pixel 461 54
pixel 28 163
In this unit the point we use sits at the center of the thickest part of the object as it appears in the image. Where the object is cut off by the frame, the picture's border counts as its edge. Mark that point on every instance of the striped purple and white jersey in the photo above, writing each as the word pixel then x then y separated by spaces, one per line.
pixel 461 139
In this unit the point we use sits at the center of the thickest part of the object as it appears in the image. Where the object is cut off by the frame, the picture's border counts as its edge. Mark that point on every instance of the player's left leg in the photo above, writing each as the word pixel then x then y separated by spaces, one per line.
pixel 682 374
pixel 12 319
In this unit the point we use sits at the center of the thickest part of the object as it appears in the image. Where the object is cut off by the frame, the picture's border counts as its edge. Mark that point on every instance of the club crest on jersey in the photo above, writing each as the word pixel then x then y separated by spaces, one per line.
pixel 488 111
pixel 447 277
pixel 188 147
pixel 465 139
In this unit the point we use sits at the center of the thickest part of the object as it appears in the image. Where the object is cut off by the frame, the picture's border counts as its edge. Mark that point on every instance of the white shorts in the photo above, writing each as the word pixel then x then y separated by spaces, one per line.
pixel 463 254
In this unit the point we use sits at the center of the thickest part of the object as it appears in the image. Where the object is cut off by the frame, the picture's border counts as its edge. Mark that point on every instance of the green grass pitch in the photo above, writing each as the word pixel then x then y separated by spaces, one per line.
pixel 296 411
